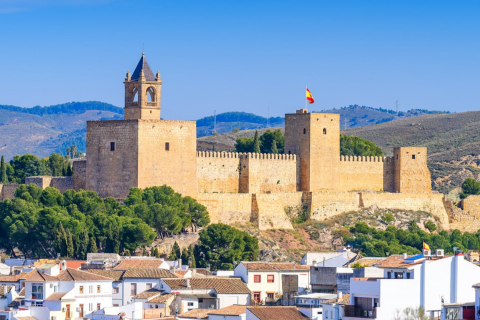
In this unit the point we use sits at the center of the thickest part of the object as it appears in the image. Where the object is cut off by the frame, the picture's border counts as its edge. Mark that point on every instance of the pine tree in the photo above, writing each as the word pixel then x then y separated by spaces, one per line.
pixel 70 248
pixel 256 143
pixel 274 147
pixel 69 172
pixel 92 248
pixel 175 253
pixel 3 172
pixel 82 244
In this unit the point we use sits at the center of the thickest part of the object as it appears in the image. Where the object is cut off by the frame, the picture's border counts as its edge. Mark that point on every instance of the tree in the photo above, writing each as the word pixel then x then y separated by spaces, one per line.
pixel 92 247
pixel 191 256
pixel 70 248
pixel 61 241
pixel 82 244
pixel 274 147
pixel 470 186
pixel 269 137
pixel 222 245
pixel 56 163
pixel 3 172
pixel 126 253
pixel 175 253
pixel 74 151
pixel 69 171
pixel 36 168
pixel 185 256
pixel 356 146
pixel 157 253
pixel 256 143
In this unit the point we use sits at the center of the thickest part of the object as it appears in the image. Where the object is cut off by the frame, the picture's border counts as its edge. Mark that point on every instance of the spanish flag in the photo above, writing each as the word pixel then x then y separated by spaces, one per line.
pixel 309 97
pixel 425 246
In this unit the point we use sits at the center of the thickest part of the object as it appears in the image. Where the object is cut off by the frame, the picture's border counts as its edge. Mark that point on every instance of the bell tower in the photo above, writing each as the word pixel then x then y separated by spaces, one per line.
pixel 142 92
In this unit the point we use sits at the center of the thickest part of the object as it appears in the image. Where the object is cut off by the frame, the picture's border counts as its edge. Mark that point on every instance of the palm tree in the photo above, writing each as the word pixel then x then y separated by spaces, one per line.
pixel 74 151
pixel 68 150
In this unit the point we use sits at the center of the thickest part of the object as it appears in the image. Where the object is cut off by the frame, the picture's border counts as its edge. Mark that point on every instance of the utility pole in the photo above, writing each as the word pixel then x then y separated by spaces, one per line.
pixel 214 121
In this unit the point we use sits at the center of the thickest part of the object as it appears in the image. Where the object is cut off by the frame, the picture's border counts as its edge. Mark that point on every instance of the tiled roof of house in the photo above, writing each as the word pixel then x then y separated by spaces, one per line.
pixel 139 263
pixel 220 285
pixel 195 314
pixel 15 278
pixel 115 275
pixel 366 262
pixel 397 261
pixel 202 271
pixel 148 273
pixel 233 310
pixel 57 296
pixel 181 273
pixel 277 313
pixel 345 299
pixel 26 318
pixel 75 264
pixel 4 290
pixel 147 294
pixel 277 266
pixel 22 293
pixel 67 275
pixel 164 298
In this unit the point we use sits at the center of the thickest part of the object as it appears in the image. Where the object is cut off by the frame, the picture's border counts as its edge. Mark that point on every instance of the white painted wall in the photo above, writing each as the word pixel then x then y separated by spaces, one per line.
pixel 226 317
pixel 226 300
pixel 141 286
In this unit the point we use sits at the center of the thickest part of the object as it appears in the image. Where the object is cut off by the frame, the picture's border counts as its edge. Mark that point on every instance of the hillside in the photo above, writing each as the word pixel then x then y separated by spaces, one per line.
pixel 43 130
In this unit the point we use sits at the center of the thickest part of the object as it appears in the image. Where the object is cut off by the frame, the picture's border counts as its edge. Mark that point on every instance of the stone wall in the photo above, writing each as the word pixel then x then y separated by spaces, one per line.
pixel 228 208
pixel 167 155
pixel 471 205
pixel 111 173
pixel 7 191
pixel 324 205
pixel 61 183
pixel 264 173
pixel 361 173
pixel 80 174
pixel 411 171
pixel 40 181
pixel 270 210
pixel 218 172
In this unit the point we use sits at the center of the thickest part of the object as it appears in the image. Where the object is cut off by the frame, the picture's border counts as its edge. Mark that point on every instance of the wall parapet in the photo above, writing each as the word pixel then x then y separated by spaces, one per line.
pixel 365 159
pixel 243 155
pixel 215 154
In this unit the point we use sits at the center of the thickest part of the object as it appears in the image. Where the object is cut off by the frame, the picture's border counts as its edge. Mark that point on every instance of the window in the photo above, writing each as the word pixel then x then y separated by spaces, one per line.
pixel 304 131
pixel 149 286
pixel 90 306
pixel 90 290
pixel 115 304
pixel 98 289
pixel 80 313
pixel 200 300
pixel 398 275
pixel 190 304
pixel 133 289
pixel 116 290
pixel 270 278
pixel 413 156
pixel 55 288
pixel 389 275
pixel 408 275
pixel 324 131
pixel 112 146
pixel 37 291
pixel 270 295
pixel 98 306
pixel 167 146
pixel 257 278
pixel 256 297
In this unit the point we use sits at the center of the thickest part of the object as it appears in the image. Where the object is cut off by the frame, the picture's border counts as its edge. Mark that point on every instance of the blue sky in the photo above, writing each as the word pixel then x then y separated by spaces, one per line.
pixel 244 55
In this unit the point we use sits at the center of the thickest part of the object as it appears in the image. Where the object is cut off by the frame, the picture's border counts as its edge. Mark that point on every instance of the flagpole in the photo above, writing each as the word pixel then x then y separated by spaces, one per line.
pixel 306 88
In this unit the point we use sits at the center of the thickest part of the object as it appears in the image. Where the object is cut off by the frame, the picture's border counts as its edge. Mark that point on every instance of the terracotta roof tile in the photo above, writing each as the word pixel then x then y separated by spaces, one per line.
pixel 233 310
pixel 181 273
pixel 148 273
pixel 164 298
pixel 147 294
pixel 26 318
pixel 277 313
pixel 220 285
pixel 22 293
pixel 57 296
pixel 15 278
pixel 38 276
pixel 67 275
pixel 397 261
pixel 139 263
pixel 202 271
pixel 75 264
pixel 258 266
pixel 345 299
pixel 115 275
pixel 195 314
pixel 278 266
pixel 4 290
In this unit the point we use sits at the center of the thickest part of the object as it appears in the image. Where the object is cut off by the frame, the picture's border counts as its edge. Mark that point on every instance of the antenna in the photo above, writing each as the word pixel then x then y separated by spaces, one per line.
pixel 396 105
pixel 214 121
pixel 143 47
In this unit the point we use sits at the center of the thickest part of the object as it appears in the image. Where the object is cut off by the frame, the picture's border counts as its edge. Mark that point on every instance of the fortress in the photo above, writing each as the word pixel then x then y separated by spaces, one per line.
pixel 266 189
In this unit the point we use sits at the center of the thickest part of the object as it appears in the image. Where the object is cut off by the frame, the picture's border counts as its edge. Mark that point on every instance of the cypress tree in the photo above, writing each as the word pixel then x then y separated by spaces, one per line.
pixel 144 252
pixel 175 253
pixel 70 248
pixel 185 256
pixel 64 172
pixel 256 143
pixel 274 147
pixel 69 172
pixel 61 241
pixel 92 248
pixel 3 172
pixel 82 245
pixel 193 263
pixel 157 253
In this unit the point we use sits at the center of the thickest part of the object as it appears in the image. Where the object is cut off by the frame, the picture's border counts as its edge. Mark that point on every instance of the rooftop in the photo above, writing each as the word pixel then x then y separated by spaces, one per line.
pixel 220 285
pixel 277 266
pixel 115 275
pixel 139 263
pixel 143 66
pixel 195 314
pixel 67 275
pixel 147 294
pixel 57 296
pixel 277 313
pixel 233 310
pixel 345 299
pixel 148 273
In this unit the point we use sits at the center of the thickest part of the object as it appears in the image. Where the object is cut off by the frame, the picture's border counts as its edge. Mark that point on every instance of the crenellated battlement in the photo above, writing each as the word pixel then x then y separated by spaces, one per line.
pixel 366 159
pixel 249 155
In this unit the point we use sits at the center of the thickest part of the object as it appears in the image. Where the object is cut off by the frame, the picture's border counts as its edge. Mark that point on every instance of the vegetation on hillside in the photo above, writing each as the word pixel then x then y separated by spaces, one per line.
pixel 240 117
pixel 44 223
pixel 69 107
pixel 377 243
pixel 470 186
pixel 356 146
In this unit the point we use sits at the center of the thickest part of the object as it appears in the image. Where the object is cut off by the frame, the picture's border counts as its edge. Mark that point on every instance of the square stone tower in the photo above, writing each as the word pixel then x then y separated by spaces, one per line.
pixel 142 150
pixel 411 171
pixel 315 139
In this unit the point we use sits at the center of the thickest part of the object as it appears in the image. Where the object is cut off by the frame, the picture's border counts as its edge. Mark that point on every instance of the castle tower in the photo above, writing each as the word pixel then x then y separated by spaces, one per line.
pixel 315 139
pixel 411 173
pixel 142 92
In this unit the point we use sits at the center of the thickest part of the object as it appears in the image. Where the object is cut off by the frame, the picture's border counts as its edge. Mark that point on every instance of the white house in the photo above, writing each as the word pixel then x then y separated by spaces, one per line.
pixel 264 279
pixel 7 295
pixel 154 303
pixel 17 280
pixel 136 281
pixel 328 259
pixel 427 281
pixel 117 284
pixel 4 269
pixel 333 309
pixel 206 292
pixel 69 294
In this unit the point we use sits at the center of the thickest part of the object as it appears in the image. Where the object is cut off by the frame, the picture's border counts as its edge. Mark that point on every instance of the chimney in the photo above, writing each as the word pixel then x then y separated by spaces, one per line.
pixel 405 256
pixel 339 295
pixel 172 270
pixel 194 272
pixel 187 281
pixel 179 264
pixel 314 262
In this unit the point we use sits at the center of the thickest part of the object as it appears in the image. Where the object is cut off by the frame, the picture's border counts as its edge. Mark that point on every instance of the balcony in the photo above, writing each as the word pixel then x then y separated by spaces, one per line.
pixel 358 312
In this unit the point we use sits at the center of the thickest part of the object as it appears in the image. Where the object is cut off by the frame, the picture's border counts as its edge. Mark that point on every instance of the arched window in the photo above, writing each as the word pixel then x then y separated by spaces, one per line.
pixel 151 94
pixel 304 131
pixel 135 95
pixel 324 131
